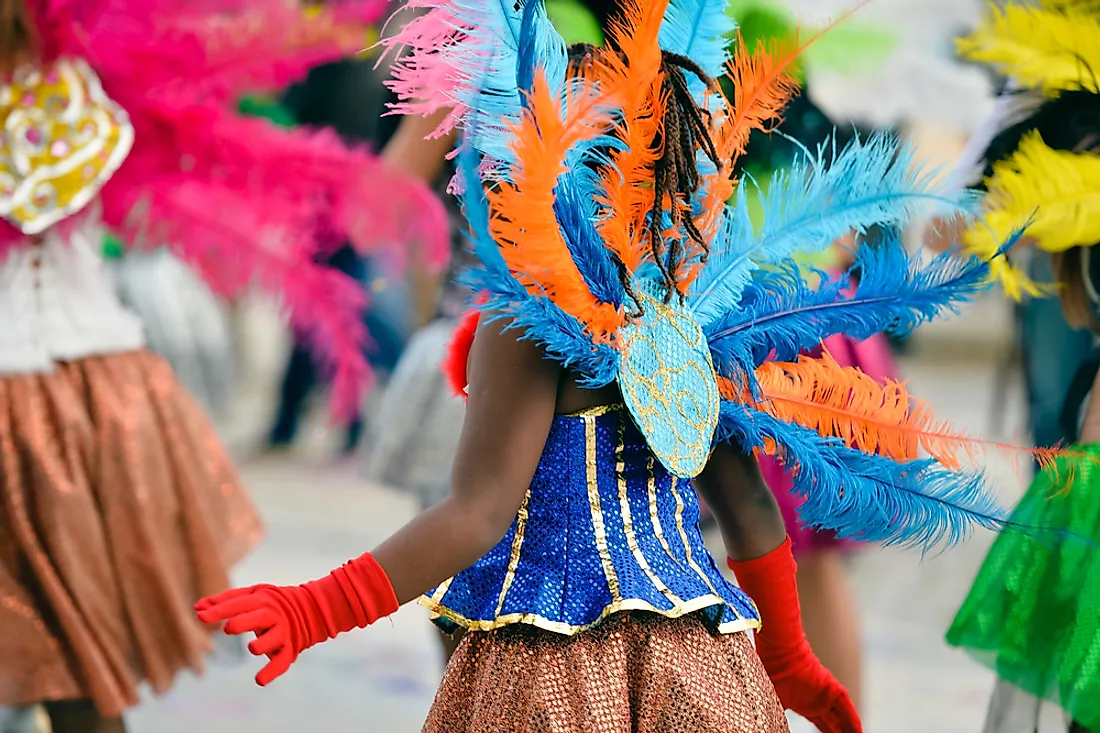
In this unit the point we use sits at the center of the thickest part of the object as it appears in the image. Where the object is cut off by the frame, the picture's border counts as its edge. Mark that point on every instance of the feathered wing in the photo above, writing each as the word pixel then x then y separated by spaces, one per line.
pixel 1056 193
pixel 784 312
pixel 816 203
pixel 867 496
pixel 1052 48
pixel 871 416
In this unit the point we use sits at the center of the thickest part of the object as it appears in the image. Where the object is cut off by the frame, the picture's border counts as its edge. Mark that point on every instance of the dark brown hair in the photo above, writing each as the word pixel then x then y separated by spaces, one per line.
pixel 676 177
pixel 18 37
pixel 1070 273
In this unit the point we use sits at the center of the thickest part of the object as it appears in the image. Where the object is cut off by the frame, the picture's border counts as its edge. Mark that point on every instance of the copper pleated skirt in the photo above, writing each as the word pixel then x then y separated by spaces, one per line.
pixel 120 509
pixel 633 673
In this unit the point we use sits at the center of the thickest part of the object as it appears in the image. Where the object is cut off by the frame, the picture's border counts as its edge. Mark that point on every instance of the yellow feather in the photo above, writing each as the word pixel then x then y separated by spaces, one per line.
pixel 1052 49
pixel 1057 191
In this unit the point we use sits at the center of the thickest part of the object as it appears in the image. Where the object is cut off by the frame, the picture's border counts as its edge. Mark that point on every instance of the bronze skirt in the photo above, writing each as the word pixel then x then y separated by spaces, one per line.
pixel 119 508
pixel 634 673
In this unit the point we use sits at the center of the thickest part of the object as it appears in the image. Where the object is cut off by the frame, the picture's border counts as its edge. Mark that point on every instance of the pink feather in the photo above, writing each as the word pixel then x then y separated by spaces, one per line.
pixel 240 199
pixel 424 78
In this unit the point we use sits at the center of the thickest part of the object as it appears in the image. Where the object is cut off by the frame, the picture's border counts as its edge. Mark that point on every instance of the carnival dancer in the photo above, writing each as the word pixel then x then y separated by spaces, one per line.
pixel 119 506
pixel 626 317
pixel 1031 613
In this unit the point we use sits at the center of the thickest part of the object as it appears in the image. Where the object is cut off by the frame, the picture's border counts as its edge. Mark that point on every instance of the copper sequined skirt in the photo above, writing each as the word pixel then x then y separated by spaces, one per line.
pixel 634 673
pixel 119 509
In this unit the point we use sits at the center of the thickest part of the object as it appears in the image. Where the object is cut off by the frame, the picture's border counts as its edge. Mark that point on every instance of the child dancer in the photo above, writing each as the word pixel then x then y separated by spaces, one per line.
pixel 1031 614
pixel 118 506
pixel 626 315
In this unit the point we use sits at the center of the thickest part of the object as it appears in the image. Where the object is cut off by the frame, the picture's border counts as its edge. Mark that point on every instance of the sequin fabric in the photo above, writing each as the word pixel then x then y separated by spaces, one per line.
pixel 668 381
pixel 120 508
pixel 636 673
pixel 1033 613
pixel 604 528
pixel 63 139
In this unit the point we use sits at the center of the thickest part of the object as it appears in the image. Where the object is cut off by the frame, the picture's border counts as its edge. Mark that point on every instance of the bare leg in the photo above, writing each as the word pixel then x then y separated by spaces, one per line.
pixel 829 617
pixel 80 716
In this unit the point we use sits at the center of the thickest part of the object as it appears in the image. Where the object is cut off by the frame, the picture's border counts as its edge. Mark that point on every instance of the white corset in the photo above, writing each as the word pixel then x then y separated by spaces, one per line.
pixel 58 302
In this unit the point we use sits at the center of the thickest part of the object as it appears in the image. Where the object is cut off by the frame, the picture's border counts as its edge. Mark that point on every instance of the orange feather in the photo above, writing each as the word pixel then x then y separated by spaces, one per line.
pixel 843 402
pixel 629 71
pixel 523 222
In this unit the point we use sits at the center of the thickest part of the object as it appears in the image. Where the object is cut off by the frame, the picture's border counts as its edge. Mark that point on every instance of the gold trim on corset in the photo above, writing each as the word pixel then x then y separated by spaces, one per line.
pixel 517 549
pixel 687 544
pixel 441 591
pixel 559 627
pixel 594 411
pixel 651 488
pixel 598 528
pixel 628 526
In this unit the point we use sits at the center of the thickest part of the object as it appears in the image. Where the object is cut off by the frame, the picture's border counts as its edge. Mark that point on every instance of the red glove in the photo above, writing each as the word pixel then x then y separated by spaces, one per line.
pixel 801 681
pixel 290 619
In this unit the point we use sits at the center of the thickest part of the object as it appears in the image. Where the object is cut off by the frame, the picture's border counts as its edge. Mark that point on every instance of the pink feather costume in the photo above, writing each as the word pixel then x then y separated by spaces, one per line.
pixel 118 505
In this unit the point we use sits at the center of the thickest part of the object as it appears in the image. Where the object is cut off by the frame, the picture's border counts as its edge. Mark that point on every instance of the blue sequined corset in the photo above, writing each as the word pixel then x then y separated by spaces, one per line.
pixel 603 528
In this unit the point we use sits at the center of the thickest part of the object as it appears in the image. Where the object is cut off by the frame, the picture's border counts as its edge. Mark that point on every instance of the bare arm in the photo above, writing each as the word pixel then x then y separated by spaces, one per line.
pixel 410 151
pixel 743 505
pixel 1090 429
pixel 512 397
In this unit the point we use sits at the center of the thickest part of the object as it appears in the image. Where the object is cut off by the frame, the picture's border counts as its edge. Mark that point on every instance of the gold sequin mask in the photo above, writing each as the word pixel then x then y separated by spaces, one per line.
pixel 63 139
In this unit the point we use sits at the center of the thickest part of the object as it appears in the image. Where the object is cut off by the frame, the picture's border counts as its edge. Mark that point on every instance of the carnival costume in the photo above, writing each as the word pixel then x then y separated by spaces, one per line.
pixel 601 609
pixel 1031 615
pixel 119 505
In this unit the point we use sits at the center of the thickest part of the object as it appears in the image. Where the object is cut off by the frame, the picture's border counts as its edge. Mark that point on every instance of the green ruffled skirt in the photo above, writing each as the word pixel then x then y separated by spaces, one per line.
pixel 1033 613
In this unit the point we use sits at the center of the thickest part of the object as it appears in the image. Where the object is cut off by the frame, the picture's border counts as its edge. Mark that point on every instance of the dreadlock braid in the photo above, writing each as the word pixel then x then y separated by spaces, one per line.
pixel 685 129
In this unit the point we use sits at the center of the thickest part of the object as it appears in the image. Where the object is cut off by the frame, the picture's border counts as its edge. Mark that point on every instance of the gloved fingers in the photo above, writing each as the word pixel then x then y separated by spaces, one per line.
pixel 278 665
pixel 844 714
pixel 266 644
pixel 227 595
pixel 258 620
pixel 232 607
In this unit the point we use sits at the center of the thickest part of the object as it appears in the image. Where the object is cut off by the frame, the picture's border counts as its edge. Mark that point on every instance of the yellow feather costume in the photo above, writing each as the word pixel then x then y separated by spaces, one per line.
pixel 1053 47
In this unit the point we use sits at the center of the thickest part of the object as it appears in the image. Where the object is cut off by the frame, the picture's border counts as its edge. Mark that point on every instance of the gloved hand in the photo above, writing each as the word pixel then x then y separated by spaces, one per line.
pixel 801 681
pixel 290 619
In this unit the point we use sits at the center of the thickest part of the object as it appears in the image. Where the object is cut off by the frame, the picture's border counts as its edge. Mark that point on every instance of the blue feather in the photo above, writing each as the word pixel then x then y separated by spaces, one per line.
pixel 576 214
pixel 562 335
pixel 870 497
pixel 814 204
pixel 700 30
pixel 781 314
pixel 490 53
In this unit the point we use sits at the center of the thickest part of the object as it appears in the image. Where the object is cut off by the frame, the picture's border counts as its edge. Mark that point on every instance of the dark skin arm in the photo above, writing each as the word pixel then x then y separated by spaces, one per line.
pixel 512 396
pixel 742 504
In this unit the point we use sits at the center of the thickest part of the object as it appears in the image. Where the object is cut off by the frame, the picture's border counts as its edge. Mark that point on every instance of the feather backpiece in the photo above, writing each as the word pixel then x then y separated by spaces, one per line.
pixel 556 176
pixel 240 200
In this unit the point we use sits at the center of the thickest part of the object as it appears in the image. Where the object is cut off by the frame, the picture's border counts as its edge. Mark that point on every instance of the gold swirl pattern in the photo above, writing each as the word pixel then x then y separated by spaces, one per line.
pixel 63 139
pixel 668 382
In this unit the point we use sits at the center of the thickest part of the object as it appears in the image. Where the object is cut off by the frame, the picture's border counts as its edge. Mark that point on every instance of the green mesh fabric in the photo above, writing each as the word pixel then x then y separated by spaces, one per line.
pixel 112 247
pixel 1033 613
pixel 260 106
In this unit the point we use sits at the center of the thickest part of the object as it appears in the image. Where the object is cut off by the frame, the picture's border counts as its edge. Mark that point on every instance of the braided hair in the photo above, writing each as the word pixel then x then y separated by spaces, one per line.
pixel 676 178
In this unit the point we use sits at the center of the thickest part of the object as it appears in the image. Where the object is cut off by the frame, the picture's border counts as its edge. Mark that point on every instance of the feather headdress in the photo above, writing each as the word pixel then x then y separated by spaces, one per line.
pixel 559 219
pixel 239 199
pixel 1053 47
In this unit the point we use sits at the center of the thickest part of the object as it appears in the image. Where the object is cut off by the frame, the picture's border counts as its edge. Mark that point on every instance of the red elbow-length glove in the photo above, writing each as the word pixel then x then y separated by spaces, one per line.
pixel 290 619
pixel 801 681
